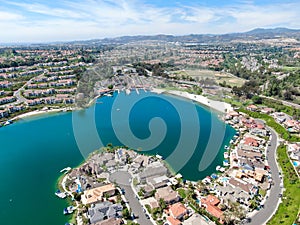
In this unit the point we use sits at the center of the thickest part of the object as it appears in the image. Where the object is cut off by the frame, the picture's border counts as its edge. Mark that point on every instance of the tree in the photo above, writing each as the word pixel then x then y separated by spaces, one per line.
pixel 256 99
pixel 288 95
pixel 162 204
pixel 110 86
pixel 126 213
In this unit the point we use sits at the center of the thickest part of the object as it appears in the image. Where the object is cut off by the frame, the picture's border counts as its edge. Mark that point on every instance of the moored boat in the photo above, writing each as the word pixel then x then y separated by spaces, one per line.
pixel 60 194
pixel 68 210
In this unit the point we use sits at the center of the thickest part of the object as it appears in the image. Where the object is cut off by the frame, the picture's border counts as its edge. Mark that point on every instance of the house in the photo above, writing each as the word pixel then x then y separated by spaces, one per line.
pixel 157 181
pixel 97 194
pixel 178 210
pixel 154 169
pixel 172 221
pixel 104 210
pixel 5 84
pixel 252 108
pixel 267 110
pixel 110 221
pixel 251 141
pixel 167 194
pixel 211 205
pixel 245 186
pixel 196 219
pixel 3 113
pixel 293 147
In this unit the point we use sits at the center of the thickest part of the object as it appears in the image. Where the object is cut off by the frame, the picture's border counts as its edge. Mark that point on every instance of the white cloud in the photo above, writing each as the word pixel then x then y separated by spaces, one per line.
pixel 107 18
pixel 9 16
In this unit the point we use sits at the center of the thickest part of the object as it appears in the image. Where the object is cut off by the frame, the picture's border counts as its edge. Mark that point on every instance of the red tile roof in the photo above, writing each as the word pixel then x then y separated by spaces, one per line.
pixel 173 221
pixel 178 210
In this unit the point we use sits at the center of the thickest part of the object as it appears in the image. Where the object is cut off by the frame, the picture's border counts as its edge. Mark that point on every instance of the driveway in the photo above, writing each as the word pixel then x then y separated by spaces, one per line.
pixel 123 179
pixel 271 204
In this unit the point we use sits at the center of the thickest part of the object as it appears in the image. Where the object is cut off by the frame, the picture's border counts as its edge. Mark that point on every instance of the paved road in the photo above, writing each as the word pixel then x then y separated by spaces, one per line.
pixel 271 204
pixel 283 102
pixel 17 93
pixel 123 178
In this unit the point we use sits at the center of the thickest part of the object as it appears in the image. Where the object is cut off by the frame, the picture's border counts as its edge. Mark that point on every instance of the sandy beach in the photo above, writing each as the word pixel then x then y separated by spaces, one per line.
pixel 39 112
pixel 222 107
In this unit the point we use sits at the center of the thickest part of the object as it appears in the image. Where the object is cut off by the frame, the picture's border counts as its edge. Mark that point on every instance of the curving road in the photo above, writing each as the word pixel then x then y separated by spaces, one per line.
pixel 273 199
pixel 123 179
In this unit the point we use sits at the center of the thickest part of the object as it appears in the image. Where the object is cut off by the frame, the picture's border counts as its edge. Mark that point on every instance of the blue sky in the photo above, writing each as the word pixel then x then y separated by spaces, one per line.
pixel 61 20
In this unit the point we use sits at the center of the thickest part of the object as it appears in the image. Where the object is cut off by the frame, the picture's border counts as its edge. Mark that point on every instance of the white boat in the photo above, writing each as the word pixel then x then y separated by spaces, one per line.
pixel 69 210
pixel 60 194
pixel 67 169
pixel 225 163
pixel 220 169
pixel 226 155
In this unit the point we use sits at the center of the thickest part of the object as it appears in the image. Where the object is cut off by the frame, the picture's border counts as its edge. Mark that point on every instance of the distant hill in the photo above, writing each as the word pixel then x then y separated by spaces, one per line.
pixel 258 33
pixel 274 31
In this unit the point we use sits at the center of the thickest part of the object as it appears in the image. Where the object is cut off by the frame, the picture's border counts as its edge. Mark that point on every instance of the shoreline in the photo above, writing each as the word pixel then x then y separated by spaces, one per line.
pixel 41 112
pixel 219 106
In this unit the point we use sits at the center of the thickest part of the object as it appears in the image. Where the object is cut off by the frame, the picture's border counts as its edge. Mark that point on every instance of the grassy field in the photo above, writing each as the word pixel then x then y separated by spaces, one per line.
pixel 290 68
pixel 218 76
pixel 229 79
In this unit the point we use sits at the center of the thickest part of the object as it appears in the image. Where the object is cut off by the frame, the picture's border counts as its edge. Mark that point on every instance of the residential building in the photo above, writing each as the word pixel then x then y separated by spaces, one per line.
pixel 97 194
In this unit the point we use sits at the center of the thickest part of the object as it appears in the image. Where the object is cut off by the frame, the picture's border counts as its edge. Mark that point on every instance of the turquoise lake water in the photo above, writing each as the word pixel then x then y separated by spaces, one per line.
pixel 34 150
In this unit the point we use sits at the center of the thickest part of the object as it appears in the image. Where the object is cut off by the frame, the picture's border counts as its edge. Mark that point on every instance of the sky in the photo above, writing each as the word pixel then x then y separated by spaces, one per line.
pixel 65 20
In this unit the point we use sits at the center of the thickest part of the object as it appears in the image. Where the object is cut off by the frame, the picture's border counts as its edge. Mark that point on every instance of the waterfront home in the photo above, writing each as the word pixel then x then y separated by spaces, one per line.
pixel 157 181
pixel 97 194
pixel 104 210
pixel 167 194
pixel 232 114
pixel 154 169
pixel 210 203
